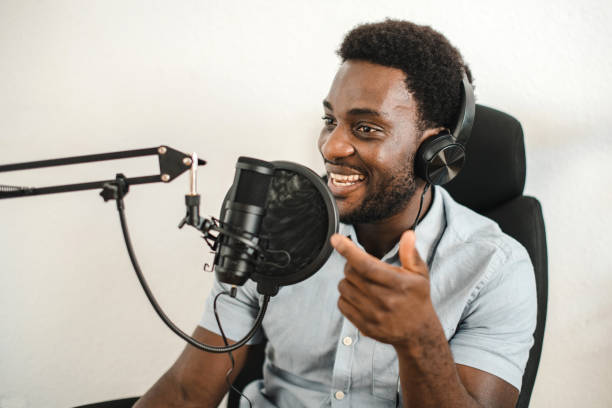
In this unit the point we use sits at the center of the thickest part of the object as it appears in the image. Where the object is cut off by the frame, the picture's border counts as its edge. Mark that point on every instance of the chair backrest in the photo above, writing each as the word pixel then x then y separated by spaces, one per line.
pixel 492 184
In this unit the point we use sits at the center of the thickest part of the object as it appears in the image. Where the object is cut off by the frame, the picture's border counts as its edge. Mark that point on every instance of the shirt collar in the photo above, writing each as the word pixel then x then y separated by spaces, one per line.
pixel 427 231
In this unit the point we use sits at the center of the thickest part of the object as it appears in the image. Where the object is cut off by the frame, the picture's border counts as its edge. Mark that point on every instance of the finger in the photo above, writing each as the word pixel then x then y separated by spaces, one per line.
pixel 373 288
pixel 362 263
pixel 353 254
pixel 369 298
pixel 409 256
pixel 355 295
pixel 354 315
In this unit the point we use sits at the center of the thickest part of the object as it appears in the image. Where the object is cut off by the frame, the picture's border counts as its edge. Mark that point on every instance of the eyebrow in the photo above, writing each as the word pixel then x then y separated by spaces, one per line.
pixel 355 111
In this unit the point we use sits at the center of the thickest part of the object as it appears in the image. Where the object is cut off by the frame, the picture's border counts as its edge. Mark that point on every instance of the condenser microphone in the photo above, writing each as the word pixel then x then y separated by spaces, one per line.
pixel 274 228
pixel 275 224
pixel 238 250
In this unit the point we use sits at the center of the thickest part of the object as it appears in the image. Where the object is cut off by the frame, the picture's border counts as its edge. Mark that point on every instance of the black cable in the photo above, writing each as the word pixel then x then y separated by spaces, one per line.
pixel 416 220
pixel 231 356
pixel 160 312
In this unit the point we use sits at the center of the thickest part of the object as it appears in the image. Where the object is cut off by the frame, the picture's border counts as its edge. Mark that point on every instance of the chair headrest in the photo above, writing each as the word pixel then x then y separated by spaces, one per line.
pixel 494 170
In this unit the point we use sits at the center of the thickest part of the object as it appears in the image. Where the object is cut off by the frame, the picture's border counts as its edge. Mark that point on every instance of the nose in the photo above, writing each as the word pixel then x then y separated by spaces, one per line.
pixel 336 144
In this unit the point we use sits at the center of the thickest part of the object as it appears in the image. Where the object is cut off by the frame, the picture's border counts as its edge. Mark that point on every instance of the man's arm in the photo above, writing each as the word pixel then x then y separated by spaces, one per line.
pixel 197 378
pixel 393 305
pixel 430 378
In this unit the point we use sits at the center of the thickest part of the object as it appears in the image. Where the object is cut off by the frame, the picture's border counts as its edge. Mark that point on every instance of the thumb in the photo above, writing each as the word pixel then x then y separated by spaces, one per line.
pixel 409 256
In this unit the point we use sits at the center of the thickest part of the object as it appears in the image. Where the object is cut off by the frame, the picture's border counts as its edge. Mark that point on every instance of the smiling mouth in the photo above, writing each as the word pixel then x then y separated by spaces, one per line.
pixel 345 180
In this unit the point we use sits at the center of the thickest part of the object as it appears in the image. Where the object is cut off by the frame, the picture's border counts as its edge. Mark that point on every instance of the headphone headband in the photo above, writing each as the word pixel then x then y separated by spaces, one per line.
pixel 465 121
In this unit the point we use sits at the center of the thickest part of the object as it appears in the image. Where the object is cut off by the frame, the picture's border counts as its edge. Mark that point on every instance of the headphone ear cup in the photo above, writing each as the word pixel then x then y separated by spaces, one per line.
pixel 439 159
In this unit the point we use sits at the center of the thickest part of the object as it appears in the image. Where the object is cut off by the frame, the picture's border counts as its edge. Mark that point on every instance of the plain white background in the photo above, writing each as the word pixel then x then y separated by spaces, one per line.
pixel 234 78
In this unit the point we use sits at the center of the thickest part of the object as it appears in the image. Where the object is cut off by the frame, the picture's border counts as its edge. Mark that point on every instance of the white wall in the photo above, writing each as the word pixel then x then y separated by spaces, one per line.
pixel 242 78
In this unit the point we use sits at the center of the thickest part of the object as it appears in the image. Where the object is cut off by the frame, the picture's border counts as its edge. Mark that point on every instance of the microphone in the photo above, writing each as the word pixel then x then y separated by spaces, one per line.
pixel 274 227
pixel 242 215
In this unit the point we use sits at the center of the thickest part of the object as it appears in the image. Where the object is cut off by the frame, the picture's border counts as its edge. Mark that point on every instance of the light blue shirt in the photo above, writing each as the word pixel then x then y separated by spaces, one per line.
pixel 482 288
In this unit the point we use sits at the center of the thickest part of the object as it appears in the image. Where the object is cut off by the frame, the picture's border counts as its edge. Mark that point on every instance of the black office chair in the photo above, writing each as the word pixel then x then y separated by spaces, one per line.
pixel 492 184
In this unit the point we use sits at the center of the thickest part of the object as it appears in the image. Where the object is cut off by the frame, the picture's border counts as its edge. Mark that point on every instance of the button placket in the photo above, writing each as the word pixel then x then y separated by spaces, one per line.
pixel 341 380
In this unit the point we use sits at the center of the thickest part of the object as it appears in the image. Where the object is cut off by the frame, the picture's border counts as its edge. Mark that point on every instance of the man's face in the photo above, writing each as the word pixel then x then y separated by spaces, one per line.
pixel 368 141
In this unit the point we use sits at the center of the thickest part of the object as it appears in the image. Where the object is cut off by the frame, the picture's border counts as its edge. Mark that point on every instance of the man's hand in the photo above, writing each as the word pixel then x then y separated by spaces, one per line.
pixel 392 304
pixel 387 303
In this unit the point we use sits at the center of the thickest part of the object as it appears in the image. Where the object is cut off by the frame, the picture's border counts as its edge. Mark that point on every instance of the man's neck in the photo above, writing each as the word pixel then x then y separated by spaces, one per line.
pixel 380 237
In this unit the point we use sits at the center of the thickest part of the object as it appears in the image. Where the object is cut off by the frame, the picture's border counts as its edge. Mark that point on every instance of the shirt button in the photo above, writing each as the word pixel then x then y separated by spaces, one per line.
pixel 347 341
pixel 339 395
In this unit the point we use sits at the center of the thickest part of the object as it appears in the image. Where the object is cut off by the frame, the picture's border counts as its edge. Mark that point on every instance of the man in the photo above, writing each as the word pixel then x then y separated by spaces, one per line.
pixel 439 317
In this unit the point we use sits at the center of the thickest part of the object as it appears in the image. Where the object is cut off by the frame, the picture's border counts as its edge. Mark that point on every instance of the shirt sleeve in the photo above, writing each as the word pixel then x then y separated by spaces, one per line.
pixel 496 330
pixel 237 315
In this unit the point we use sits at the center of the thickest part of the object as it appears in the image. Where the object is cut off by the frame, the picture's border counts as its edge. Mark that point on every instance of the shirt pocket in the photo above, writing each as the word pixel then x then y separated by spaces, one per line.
pixel 385 372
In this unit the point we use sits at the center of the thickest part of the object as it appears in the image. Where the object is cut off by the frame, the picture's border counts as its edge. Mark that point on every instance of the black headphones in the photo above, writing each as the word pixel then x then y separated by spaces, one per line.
pixel 440 158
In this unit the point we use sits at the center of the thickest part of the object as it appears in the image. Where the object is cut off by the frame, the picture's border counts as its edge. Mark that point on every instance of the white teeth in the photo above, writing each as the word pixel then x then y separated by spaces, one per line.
pixel 345 180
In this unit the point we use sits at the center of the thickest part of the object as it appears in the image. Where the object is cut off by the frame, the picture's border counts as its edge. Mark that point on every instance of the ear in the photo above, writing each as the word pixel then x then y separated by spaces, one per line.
pixel 427 133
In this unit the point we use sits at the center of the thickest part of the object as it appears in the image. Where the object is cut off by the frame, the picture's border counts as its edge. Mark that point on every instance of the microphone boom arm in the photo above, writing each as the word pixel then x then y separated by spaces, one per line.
pixel 172 164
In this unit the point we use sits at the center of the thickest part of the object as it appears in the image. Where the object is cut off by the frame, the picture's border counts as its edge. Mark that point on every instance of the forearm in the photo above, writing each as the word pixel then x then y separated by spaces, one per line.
pixel 428 374
pixel 196 379
pixel 169 392
pixel 163 393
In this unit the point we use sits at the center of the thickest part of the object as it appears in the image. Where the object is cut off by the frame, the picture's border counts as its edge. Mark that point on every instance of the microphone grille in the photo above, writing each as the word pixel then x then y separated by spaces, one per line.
pixel 253 180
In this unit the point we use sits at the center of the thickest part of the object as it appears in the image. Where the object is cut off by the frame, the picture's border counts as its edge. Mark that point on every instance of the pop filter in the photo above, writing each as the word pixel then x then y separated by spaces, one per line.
pixel 299 217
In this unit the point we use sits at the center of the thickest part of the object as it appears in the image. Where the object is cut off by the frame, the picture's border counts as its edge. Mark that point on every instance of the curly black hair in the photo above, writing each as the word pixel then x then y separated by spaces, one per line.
pixel 433 66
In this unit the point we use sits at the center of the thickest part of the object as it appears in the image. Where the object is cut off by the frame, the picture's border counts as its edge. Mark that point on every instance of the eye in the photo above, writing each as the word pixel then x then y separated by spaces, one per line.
pixel 328 120
pixel 366 129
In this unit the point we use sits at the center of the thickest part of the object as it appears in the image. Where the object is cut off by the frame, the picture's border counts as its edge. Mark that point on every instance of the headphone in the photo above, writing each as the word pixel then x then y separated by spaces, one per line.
pixel 441 157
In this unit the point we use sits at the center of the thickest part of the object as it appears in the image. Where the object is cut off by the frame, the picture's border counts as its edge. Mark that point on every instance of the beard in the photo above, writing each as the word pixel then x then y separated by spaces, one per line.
pixel 391 196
